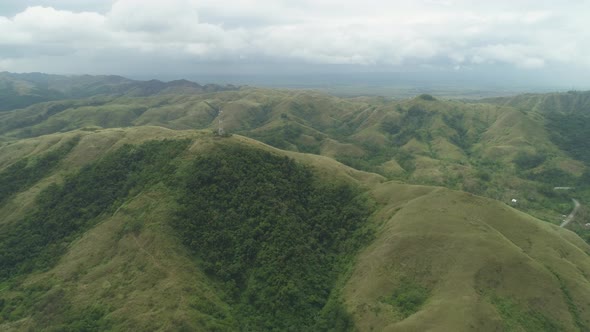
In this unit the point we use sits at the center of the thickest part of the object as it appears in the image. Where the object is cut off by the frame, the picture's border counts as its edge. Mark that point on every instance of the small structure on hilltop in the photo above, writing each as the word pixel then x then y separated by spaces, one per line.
pixel 220 131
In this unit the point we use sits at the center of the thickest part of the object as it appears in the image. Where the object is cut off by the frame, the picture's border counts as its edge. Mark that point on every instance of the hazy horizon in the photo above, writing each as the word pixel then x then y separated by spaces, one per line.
pixel 514 45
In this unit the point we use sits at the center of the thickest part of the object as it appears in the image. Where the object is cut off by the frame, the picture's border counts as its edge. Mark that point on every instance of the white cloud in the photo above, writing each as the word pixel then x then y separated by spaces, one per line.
pixel 6 65
pixel 446 33
pixel 153 16
pixel 40 26
pixel 516 54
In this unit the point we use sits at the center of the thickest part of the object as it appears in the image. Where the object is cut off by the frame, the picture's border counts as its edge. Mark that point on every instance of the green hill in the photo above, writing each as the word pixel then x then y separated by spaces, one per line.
pixel 496 151
pixel 451 261
pixel 315 213
pixel 203 233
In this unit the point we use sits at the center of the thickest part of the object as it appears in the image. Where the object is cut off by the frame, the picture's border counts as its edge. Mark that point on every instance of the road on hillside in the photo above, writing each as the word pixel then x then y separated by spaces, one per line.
pixel 572 214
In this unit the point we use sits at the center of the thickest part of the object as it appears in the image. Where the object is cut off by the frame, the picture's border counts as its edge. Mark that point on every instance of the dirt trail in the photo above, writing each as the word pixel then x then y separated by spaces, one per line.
pixel 572 214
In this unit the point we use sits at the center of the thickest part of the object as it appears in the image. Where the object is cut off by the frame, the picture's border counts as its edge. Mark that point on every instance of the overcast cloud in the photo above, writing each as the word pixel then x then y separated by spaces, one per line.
pixel 190 36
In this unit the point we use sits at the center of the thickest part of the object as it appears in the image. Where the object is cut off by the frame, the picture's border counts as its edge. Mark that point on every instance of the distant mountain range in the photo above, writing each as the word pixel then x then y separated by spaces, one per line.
pixel 22 90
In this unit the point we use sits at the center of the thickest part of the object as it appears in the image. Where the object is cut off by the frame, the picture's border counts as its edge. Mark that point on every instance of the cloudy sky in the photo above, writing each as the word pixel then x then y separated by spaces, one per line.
pixel 534 39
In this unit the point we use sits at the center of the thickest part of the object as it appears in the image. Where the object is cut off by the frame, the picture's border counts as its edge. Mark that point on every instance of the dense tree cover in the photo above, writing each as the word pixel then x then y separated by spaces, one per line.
pixel 571 132
pixel 553 176
pixel 526 160
pixel 27 171
pixel 64 210
pixel 273 234
pixel 456 121
pixel 426 97
pixel 413 124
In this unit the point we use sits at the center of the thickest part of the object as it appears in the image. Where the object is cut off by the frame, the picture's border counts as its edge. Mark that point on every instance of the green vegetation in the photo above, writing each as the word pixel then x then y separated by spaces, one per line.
pixel 408 297
pixel 554 177
pixel 526 161
pixel 28 171
pixel 281 137
pixel 426 97
pixel 273 234
pixel 53 308
pixel 573 309
pixel 266 220
pixel 11 99
pixel 515 318
pixel 457 251
pixel 456 121
pixel 571 132
pixel 413 124
pixel 22 90
pixel 565 103
pixel 65 210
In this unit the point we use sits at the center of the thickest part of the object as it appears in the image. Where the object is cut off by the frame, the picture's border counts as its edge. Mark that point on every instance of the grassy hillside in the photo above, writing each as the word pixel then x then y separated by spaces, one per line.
pixel 206 233
pixel 451 261
pixel 566 119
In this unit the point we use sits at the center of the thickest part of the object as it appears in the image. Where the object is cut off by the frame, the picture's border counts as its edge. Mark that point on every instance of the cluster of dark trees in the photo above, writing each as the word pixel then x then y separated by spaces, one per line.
pixel 273 234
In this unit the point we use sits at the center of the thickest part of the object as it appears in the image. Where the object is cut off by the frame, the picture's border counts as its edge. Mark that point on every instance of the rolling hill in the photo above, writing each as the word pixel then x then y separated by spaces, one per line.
pixel 497 151
pixel 121 212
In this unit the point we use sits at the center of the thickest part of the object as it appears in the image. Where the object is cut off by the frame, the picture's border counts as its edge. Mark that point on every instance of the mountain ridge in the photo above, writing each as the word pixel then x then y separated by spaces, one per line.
pixel 22 90
pixel 423 140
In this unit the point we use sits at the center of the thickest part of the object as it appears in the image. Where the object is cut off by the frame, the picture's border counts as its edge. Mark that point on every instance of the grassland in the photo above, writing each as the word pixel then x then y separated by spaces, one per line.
pixel 469 257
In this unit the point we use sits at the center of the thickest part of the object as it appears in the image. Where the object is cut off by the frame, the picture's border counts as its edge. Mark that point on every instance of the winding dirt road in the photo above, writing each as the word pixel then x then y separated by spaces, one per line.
pixel 572 214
